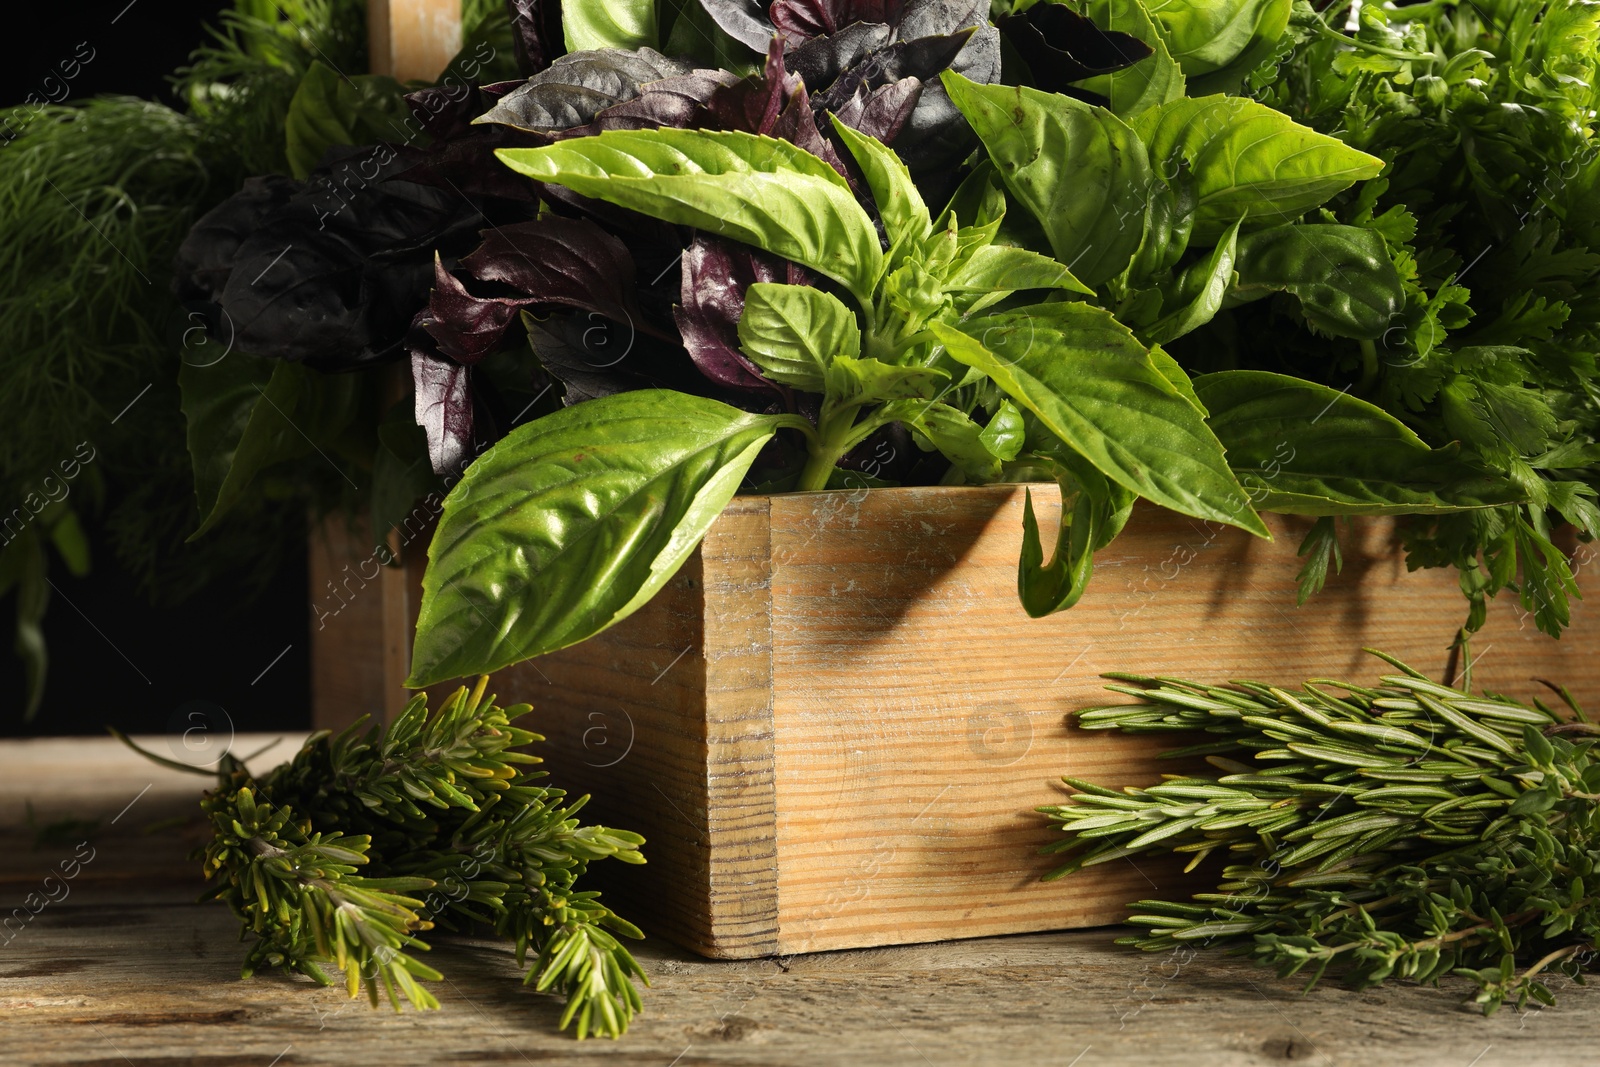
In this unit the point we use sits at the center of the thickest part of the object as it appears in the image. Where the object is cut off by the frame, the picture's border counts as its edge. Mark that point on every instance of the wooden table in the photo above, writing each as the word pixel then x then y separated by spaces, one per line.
pixel 124 969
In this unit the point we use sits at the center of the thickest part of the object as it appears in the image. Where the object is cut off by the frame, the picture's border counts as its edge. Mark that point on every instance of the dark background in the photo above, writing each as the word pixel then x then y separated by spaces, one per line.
pixel 114 659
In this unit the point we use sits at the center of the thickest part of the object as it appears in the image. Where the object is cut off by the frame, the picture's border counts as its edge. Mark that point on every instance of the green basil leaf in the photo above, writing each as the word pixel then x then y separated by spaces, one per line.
pixel 1004 435
pixel 612 24
pixel 247 414
pixel 1207 35
pixel 1094 511
pixel 1342 275
pixel 1080 170
pixel 1153 80
pixel 572 522
pixel 1176 376
pixel 1249 162
pixel 793 332
pixel 1272 19
pixel 329 109
pixel 1093 385
pixel 905 216
pixel 218 399
pixel 1200 291
pixel 1168 224
pixel 1306 449
pixel 852 382
pixel 978 202
pixel 952 432
pixel 743 186
pixel 1002 268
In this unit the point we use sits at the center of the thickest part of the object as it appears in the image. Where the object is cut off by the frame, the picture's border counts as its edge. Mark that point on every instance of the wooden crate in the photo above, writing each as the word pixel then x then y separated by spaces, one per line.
pixel 834 724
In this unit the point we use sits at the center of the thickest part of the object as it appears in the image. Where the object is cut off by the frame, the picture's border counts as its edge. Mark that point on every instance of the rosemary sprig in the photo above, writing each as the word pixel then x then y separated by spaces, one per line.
pixel 1410 830
pixel 448 829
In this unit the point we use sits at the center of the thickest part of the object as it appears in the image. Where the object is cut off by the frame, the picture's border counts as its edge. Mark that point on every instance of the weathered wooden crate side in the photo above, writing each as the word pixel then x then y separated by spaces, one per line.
pixel 920 715
pixel 666 720
pixel 833 725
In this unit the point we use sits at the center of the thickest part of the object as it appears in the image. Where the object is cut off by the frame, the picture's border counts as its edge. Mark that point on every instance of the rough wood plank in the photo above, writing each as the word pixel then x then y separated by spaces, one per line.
pixel 736 659
pixel 920 716
pixel 412 39
pixel 129 970
pixel 347 610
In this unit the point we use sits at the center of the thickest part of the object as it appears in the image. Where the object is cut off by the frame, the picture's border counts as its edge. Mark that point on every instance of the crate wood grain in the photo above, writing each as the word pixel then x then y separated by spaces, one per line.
pixel 412 39
pixel 834 724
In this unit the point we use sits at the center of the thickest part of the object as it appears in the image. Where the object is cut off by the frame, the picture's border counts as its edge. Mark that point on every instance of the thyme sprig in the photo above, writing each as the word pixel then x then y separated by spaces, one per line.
pixel 345 854
pixel 1407 830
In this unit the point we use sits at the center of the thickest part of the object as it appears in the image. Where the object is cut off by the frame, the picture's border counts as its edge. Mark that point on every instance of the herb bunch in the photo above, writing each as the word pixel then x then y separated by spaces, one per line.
pixel 343 855
pixel 1410 830
pixel 1484 114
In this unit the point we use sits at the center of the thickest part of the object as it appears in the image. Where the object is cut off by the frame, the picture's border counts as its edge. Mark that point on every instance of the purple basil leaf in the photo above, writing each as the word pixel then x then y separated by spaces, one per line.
pixel 209 251
pixel 446 110
pixel 936 18
pixel 466 166
pixel 821 61
pixel 328 271
pixel 300 295
pixel 556 260
pixel 797 21
pixel 922 59
pixel 1060 46
pixel 881 112
pixel 716 274
pixel 582 353
pixel 536 35
pixel 744 20
pixel 578 86
pixel 466 327
pixel 443 408
pixel 801 20
pixel 592 356
pixel 678 102
pixel 774 103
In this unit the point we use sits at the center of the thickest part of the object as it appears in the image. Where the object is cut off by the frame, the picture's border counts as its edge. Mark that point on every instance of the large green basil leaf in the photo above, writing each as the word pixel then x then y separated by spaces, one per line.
pixel 572 522
pixel 743 186
pixel 1272 19
pixel 329 109
pixel 1153 80
pixel 1342 275
pixel 1003 268
pixel 793 332
pixel 246 414
pixel 900 204
pixel 1306 449
pixel 1248 161
pixel 1207 35
pixel 1080 170
pixel 611 24
pixel 1199 292
pixel 1093 385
